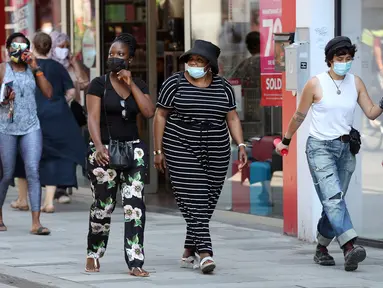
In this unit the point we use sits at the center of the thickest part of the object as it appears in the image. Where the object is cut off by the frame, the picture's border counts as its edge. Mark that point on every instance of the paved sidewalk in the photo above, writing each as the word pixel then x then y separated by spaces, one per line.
pixel 245 257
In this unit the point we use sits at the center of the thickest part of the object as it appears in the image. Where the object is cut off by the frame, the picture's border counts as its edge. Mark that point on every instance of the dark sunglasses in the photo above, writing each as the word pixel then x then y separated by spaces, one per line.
pixel 123 112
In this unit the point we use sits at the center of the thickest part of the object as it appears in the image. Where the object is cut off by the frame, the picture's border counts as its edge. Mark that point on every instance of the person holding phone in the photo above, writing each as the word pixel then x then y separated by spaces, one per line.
pixel 19 124
pixel 196 111
pixel 64 148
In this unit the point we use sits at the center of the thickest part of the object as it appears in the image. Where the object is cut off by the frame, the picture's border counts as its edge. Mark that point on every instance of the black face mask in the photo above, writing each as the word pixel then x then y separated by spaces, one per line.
pixel 116 64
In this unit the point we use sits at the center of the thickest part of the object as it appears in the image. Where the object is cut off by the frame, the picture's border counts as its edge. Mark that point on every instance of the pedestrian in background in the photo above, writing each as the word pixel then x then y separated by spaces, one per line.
pixel 332 145
pixel 61 53
pixel 113 102
pixel 19 124
pixel 196 110
pixel 63 145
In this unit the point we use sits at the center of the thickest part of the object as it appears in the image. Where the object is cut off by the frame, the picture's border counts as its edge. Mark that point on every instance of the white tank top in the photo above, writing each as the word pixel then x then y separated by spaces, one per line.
pixel 333 115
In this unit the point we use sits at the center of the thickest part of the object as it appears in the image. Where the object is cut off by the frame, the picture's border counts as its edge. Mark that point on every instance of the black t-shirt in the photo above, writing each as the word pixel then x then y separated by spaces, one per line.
pixel 120 128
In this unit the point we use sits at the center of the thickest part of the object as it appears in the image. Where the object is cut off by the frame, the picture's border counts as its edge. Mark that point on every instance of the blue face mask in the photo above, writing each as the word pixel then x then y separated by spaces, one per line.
pixel 341 68
pixel 196 72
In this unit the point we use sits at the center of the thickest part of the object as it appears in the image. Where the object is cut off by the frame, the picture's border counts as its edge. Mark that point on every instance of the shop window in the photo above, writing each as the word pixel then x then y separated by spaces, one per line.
pixel 48 15
pixel 234 26
pixel 362 21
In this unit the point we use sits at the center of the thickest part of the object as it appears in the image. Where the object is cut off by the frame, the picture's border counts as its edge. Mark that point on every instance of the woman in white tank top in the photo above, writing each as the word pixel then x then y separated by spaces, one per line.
pixel 333 96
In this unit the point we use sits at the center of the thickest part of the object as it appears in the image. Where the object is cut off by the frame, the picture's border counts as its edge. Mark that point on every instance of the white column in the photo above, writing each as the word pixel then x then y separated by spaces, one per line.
pixel 318 16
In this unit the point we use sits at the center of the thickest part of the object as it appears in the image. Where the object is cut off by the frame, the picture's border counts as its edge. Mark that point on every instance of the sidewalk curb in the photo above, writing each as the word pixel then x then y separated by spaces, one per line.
pixel 22 278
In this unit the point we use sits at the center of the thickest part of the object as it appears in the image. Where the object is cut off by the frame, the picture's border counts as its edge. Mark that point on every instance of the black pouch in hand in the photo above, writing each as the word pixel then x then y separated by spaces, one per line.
pixel 121 154
pixel 355 141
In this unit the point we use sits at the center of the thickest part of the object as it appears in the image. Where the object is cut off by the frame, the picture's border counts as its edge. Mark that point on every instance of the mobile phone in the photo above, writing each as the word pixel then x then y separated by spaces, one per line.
pixel 26 58
pixel 5 91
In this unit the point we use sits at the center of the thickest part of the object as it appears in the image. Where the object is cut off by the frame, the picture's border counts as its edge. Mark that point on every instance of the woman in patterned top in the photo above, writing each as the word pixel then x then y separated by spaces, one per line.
pixel 19 125
pixel 195 112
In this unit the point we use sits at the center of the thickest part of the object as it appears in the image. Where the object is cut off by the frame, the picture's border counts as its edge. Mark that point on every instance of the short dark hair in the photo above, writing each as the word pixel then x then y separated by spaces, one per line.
pixel 253 41
pixel 17 35
pixel 42 42
pixel 129 40
pixel 340 51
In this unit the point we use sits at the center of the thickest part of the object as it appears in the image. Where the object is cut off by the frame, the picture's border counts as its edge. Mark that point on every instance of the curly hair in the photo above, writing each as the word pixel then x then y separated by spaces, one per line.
pixel 340 51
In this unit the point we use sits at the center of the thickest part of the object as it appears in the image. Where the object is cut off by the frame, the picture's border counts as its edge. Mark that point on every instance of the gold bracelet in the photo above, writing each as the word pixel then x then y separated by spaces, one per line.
pixel 157 152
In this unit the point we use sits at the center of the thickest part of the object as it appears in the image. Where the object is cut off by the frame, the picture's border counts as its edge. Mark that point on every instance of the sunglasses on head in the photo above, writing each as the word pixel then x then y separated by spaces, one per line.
pixel 21 46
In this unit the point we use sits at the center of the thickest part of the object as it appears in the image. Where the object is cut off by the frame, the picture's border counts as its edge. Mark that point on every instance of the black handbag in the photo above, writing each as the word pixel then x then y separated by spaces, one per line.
pixel 355 141
pixel 121 153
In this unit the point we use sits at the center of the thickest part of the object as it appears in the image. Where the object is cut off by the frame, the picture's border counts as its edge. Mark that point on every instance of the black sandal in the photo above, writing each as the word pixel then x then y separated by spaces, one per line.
pixel 42 231
pixel 3 228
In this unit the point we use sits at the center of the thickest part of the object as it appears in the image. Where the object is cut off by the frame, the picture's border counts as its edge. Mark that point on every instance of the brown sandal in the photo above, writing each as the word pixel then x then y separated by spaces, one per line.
pixel 138 272
pixel 16 205
pixel 96 265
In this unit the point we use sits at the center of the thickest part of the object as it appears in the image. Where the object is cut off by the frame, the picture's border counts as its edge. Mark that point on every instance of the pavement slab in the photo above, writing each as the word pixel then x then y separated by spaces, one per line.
pixel 246 257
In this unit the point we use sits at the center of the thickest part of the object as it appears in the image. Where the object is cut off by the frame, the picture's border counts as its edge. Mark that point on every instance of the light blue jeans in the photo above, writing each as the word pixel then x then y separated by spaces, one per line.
pixel 331 166
pixel 31 149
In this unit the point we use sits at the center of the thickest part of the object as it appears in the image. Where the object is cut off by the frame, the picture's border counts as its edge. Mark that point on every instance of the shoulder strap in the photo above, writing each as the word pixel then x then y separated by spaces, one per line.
pixel 106 116
pixel 223 83
pixel 178 83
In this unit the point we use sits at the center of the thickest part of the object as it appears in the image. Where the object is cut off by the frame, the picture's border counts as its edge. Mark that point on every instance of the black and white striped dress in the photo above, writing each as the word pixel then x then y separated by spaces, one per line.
pixel 196 144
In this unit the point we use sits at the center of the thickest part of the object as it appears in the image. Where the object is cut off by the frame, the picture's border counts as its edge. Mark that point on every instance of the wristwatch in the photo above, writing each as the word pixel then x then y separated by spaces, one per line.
pixel 157 152
pixel 36 70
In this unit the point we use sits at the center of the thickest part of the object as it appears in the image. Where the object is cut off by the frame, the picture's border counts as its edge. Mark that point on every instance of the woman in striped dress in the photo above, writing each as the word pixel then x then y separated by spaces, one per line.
pixel 195 112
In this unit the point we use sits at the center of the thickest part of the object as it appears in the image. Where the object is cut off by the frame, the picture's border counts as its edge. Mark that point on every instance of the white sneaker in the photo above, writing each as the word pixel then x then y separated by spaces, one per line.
pixel 64 199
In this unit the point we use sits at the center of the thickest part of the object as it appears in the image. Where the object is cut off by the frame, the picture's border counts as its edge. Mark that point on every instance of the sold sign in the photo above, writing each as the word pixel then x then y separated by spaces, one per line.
pixel 271 81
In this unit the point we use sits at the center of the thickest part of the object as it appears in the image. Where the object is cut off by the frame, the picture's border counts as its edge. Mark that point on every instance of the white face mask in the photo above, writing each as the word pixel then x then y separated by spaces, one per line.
pixel 61 53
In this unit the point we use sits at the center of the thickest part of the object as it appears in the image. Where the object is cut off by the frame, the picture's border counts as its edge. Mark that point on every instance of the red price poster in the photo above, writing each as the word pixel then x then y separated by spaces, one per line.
pixel 271 81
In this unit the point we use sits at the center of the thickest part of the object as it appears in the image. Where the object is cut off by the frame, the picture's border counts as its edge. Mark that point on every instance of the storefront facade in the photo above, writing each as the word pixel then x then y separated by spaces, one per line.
pixel 264 105
pixel 177 24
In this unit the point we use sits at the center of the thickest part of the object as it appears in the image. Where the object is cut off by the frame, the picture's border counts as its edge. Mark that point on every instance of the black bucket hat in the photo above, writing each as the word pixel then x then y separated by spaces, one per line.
pixel 336 43
pixel 205 49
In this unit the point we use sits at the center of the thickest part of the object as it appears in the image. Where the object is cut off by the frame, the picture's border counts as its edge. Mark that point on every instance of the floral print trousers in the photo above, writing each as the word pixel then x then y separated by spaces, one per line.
pixel 104 185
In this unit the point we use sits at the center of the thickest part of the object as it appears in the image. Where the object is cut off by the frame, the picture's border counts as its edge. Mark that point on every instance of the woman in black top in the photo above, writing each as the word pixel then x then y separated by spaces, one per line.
pixel 113 101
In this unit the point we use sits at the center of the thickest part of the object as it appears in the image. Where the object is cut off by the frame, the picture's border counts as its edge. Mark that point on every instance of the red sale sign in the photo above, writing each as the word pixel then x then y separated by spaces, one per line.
pixel 271 81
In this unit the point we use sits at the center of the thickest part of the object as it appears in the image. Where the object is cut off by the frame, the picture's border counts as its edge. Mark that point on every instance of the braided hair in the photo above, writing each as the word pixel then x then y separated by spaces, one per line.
pixel 129 40
pixel 14 36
